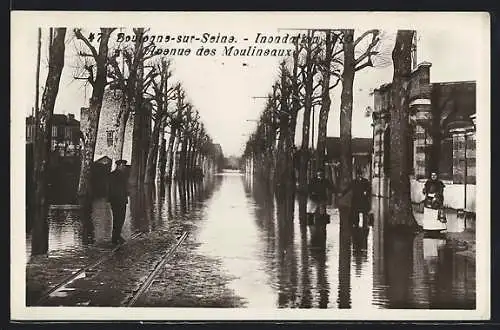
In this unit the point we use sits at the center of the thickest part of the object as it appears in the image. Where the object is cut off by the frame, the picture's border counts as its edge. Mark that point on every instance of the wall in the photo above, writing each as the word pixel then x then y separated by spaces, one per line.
pixel 453 194
pixel 109 111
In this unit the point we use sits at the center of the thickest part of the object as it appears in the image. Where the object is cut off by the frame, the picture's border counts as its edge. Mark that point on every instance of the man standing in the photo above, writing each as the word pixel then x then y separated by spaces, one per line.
pixel 118 198
pixel 320 188
pixel 361 198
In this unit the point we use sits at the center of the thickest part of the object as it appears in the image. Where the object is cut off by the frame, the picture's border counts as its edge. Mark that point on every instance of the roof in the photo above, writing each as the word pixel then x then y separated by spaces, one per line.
pixel 358 145
pixel 60 119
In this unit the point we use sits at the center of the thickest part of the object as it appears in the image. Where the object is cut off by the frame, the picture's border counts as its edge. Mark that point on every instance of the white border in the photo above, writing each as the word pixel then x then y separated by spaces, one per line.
pixel 23 21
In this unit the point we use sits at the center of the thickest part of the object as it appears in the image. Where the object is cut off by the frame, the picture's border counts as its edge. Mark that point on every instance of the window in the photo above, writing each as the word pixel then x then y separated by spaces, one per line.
pixel 446 159
pixel 54 131
pixel 387 152
pixel 459 159
pixel 470 153
pixel 109 138
pixel 67 133
pixel 411 150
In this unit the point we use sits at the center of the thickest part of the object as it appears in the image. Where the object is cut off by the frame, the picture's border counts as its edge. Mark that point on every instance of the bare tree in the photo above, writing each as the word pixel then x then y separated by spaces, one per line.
pixel 163 93
pixel 296 86
pixel 189 126
pixel 330 66
pixel 401 210
pixel 43 140
pixel 351 65
pixel 97 77
pixel 284 162
pixel 308 71
pixel 126 79
pixel 175 125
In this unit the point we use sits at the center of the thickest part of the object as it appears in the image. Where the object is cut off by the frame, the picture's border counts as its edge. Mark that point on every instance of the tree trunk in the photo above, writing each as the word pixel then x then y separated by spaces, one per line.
pixel 189 171
pixel 162 159
pixel 284 165
pixel 40 234
pixel 182 158
pixel 136 137
pixel 346 111
pixel 294 111
pixel 306 123
pixel 153 153
pixel 170 155
pixel 401 213
pixel 90 131
pixel 138 163
pixel 175 164
pixel 325 105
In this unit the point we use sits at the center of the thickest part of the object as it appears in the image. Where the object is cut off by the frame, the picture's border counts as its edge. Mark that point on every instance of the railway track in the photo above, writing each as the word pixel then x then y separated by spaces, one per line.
pixel 83 269
pixel 149 280
pixel 143 287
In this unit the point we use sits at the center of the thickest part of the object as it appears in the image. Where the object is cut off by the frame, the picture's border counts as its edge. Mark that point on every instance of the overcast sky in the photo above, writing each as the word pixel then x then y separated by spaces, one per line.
pixel 222 88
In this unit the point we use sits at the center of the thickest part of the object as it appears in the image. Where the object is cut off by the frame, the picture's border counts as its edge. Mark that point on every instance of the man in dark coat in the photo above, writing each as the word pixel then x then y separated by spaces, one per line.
pixel 320 188
pixel 118 198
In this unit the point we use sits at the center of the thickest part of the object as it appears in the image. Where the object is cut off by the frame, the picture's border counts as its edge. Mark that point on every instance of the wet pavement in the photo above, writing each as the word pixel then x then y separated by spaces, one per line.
pixel 246 248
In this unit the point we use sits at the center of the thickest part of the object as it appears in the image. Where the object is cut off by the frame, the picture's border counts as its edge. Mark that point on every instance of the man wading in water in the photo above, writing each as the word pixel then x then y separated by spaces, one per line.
pixel 118 198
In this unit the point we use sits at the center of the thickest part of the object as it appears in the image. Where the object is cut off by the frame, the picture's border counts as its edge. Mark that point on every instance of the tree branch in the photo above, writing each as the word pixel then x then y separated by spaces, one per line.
pixel 364 65
pixel 365 55
pixel 79 36
pixel 374 32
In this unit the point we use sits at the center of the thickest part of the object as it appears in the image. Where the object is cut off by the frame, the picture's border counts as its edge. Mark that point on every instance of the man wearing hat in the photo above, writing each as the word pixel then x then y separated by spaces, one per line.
pixel 118 198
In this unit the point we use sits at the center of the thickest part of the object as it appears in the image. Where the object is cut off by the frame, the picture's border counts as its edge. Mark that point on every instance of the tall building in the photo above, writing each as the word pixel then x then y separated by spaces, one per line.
pixel 107 124
pixel 442 124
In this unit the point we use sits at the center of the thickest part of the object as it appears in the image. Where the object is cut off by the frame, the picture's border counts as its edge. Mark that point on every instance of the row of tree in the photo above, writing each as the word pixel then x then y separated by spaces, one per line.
pixel 305 81
pixel 169 139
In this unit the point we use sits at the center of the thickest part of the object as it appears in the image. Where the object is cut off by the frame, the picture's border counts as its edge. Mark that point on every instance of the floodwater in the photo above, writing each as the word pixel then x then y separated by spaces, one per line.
pixel 275 261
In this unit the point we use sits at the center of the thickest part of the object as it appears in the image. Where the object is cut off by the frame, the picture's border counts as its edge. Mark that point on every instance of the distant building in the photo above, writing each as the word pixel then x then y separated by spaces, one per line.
pixel 65 134
pixel 442 123
pixel 64 168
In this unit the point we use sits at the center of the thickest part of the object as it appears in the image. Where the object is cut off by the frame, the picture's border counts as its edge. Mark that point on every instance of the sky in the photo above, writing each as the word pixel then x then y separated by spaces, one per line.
pixel 222 88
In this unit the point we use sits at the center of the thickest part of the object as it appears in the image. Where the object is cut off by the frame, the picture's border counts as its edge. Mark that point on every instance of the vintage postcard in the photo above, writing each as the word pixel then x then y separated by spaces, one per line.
pixel 250 165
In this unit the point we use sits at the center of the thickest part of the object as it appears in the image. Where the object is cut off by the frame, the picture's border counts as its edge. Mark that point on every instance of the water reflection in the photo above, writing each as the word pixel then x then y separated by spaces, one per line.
pixel 263 242
pixel 149 208
pixel 344 260
pixel 357 268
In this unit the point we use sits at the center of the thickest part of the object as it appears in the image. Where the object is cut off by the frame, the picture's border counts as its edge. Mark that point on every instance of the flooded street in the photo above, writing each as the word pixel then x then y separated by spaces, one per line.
pixel 238 230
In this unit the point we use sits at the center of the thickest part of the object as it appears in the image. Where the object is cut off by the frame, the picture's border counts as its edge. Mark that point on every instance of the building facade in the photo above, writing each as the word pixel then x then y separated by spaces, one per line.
pixel 64 169
pixel 442 126
pixel 107 127
pixel 65 134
